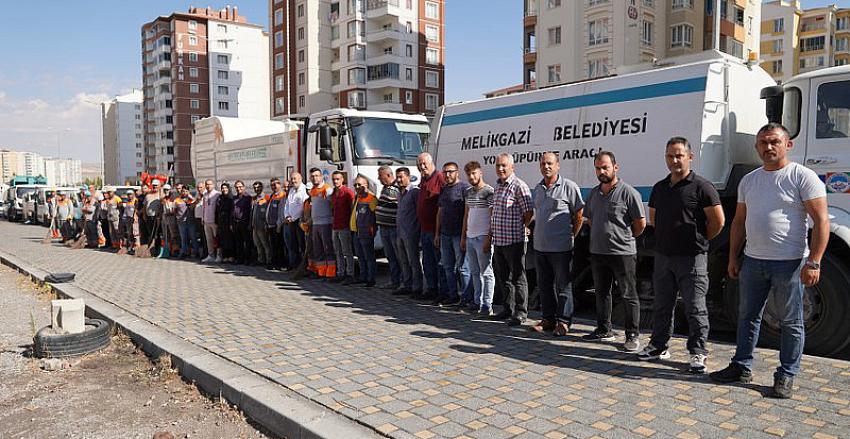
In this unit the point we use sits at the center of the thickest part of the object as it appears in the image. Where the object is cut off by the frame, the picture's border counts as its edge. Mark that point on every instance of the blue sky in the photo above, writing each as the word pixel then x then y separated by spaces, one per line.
pixel 61 56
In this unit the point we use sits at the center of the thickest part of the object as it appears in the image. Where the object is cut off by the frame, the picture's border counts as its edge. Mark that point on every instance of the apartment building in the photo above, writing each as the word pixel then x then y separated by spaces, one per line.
pixel 196 64
pixel 8 165
pixel 795 40
pixel 58 172
pixel 123 138
pixel 381 55
pixel 63 172
pixel 572 40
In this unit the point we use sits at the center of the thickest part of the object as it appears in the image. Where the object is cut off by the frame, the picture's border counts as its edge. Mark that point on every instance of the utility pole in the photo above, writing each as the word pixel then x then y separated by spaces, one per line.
pixel 717 25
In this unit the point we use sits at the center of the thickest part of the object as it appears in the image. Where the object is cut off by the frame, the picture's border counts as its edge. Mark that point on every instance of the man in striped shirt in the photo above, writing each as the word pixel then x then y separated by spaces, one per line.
pixel 476 229
pixel 386 219
pixel 512 212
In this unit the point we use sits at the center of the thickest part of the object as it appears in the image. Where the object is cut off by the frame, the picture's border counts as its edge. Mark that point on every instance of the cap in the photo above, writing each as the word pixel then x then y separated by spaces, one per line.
pixel 130 192
pixel 167 186
pixel 155 182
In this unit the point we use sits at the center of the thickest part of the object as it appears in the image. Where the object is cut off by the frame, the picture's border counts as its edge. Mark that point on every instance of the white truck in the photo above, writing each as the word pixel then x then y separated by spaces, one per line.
pixel 713 100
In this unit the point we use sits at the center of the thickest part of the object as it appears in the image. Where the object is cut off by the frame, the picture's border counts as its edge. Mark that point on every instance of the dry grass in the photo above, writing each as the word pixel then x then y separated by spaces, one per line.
pixel 43 292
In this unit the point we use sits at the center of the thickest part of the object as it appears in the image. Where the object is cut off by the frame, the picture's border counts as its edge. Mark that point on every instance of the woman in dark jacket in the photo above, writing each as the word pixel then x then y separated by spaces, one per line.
pixel 224 221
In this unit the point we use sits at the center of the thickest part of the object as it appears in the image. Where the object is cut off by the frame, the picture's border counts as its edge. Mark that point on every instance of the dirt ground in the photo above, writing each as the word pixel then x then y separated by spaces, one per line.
pixel 118 392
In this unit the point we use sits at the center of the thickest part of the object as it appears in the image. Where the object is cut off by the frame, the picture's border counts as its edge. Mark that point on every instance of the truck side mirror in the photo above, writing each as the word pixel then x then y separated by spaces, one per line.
pixel 325 135
pixel 773 97
pixel 326 154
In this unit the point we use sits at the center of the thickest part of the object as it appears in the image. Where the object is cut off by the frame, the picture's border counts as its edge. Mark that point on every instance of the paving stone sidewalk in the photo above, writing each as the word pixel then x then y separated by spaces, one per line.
pixel 414 371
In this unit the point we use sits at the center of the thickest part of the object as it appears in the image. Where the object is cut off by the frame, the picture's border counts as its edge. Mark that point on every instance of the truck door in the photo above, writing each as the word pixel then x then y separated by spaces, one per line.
pixel 828 136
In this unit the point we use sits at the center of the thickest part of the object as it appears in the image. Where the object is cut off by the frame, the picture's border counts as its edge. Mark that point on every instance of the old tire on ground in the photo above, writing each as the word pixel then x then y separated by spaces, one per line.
pixel 825 309
pixel 94 338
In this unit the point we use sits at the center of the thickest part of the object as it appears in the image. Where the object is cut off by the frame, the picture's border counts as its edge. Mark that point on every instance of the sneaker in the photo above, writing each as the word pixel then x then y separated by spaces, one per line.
pixel 348 280
pixel 599 335
pixel 697 364
pixel 369 284
pixel 486 312
pixel 389 286
pixel 448 302
pixel 632 343
pixel 208 260
pixel 783 386
pixel 733 373
pixel 218 259
pixel 651 352
pixel 516 321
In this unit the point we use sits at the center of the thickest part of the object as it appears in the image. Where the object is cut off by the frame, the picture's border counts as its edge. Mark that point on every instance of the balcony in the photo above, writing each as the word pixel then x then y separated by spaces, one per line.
pixel 163 65
pixel 529 55
pixel 391 33
pixel 382 8
pixel 385 58
pixel 387 106
pixel 529 19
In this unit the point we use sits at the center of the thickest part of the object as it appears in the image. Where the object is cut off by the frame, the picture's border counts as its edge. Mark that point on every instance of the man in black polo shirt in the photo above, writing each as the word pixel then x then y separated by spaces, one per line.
pixel 685 210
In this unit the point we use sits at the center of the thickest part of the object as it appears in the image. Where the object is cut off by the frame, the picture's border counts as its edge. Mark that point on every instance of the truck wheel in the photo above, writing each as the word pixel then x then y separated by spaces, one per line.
pixel 825 308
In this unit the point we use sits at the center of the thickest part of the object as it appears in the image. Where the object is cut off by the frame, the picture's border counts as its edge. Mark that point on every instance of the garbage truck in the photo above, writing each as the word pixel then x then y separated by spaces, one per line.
pixel 718 103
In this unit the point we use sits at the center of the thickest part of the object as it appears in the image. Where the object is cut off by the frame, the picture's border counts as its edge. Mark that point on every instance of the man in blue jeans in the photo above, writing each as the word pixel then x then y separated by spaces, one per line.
pixel 386 219
pixel 447 236
pixel 773 203
pixel 430 186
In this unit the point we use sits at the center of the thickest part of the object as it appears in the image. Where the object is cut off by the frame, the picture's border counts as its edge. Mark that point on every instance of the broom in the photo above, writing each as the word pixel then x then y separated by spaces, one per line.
pixel 144 251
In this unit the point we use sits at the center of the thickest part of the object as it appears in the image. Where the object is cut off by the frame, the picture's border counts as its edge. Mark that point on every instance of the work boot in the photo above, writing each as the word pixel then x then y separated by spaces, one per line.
pixel 783 386
pixel 733 373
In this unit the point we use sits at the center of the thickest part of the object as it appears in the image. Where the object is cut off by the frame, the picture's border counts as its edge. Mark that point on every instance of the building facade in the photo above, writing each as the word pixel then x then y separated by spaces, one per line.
pixel 197 64
pixel 381 55
pixel 602 35
pixel 58 172
pixel 123 139
pixel 795 40
pixel 63 172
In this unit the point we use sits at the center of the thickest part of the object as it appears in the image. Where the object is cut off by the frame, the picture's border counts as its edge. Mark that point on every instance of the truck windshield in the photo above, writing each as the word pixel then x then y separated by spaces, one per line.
pixel 21 191
pixel 389 139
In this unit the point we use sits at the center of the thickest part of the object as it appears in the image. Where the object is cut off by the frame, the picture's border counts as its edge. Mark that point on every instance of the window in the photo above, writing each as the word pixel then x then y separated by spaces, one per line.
pixel 812 44
pixel 355 6
pixel 432 56
pixel 194 104
pixel 193 24
pixel 193 40
pixel 779 25
pixel 777 46
pixel 777 66
pixel 432 79
pixel 432 33
pixel 681 4
pixel 300 10
pixel 222 59
pixel 300 33
pixel 553 3
pixel 355 28
pixel 193 72
pixel 301 78
pixel 223 90
pixel 597 68
pixel 223 105
pixel 408 74
pixel 279 105
pixel 193 57
pixel 554 73
pixel 356 52
pixel 278 17
pixel 833 110
pixel 597 31
pixel 554 36
pixel 408 97
pixel 356 76
pixel 223 74
pixel 279 82
pixel 842 44
pixel 432 10
pixel 388 98
pixel 278 61
pixel 432 101
pixel 409 4
pixel 357 99
pixel 194 88
pixel 302 101
pixel 647 33
pixel 278 39
pixel 301 55
pixel 382 71
pixel 408 50
pixel 682 35
pixel 334 32
pixel 222 28
pixel 221 44
pixel 408 26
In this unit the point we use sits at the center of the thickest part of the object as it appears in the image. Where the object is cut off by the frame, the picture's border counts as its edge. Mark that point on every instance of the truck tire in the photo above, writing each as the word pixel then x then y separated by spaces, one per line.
pixel 825 308
pixel 94 338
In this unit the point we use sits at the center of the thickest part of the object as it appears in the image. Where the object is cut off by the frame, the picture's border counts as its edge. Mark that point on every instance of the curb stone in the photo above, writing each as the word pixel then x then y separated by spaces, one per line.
pixel 272 406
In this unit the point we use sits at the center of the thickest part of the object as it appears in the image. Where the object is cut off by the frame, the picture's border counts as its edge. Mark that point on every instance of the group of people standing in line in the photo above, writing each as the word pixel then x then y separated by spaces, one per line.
pixel 452 241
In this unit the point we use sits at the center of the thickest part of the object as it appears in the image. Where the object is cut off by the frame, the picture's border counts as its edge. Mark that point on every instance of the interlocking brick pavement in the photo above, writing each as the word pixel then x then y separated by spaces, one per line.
pixel 415 371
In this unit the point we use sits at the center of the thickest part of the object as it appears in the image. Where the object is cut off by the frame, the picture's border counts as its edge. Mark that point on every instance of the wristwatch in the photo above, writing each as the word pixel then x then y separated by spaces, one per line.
pixel 812 264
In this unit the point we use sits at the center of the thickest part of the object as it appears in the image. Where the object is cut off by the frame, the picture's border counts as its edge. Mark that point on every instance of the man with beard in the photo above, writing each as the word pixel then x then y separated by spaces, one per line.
pixel 615 213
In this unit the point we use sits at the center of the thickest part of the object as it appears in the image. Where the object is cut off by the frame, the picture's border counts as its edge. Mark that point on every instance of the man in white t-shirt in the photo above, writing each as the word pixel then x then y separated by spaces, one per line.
pixel 773 203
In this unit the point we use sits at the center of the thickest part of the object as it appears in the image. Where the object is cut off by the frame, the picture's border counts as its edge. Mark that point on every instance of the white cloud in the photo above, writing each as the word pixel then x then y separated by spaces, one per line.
pixel 44 127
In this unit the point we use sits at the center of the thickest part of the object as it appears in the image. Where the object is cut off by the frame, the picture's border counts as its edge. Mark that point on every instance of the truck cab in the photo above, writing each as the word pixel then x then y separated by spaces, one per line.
pixel 20 201
pixel 359 142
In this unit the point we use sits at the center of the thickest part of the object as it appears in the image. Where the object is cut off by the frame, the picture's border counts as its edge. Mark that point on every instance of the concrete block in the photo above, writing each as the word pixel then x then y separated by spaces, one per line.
pixel 69 315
